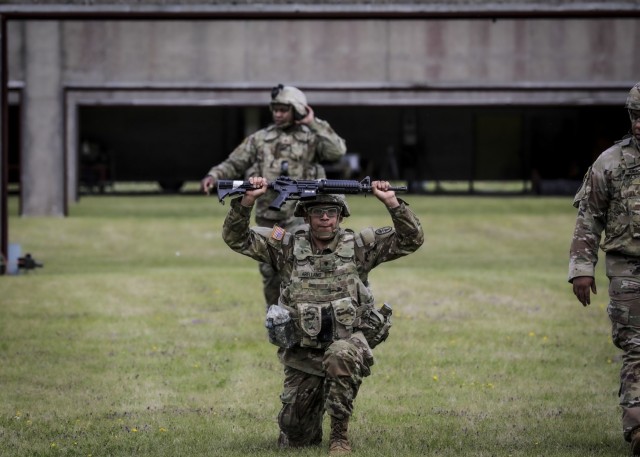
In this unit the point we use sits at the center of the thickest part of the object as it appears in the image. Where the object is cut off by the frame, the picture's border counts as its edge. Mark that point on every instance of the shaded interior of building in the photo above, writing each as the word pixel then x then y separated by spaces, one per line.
pixel 540 149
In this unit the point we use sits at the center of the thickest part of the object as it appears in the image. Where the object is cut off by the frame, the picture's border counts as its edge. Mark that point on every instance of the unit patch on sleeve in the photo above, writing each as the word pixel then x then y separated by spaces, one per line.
pixel 383 230
pixel 277 233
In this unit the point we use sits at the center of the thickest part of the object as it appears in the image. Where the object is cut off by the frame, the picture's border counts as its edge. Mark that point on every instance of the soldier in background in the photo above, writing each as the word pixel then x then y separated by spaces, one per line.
pixel 294 145
pixel 609 201
pixel 328 323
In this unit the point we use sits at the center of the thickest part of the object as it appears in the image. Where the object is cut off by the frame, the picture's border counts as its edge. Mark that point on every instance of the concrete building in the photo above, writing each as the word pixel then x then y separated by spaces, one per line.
pixel 468 90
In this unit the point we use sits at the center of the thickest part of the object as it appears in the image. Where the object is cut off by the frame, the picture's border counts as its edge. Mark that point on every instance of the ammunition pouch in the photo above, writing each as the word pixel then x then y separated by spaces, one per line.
pixel 634 212
pixel 317 325
pixel 321 324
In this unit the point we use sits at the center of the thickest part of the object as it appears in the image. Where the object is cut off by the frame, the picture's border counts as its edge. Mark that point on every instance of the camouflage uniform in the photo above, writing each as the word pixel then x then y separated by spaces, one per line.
pixel 325 370
pixel 297 149
pixel 609 201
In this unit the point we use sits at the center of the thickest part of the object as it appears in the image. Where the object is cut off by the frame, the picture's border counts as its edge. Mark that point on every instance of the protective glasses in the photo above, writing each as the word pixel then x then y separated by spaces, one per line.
pixel 320 211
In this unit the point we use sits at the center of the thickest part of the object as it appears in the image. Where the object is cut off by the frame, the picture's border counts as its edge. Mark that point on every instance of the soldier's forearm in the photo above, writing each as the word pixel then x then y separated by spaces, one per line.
pixel 331 146
pixel 407 226
pixel 235 229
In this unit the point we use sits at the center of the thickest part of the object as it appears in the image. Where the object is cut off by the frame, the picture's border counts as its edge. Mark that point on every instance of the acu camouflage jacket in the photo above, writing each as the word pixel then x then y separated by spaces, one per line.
pixel 298 149
pixel 372 247
pixel 609 201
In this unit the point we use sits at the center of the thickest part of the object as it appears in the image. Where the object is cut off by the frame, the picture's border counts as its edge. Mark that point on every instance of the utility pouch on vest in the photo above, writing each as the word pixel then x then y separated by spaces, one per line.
pixel 630 193
pixel 375 324
pixel 281 328
pixel 345 315
pixel 316 323
pixel 634 212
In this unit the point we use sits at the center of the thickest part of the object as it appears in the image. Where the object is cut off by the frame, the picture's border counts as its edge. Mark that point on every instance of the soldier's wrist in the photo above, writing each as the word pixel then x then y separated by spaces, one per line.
pixel 238 206
pixel 247 203
pixel 315 124
pixel 398 207
pixel 576 270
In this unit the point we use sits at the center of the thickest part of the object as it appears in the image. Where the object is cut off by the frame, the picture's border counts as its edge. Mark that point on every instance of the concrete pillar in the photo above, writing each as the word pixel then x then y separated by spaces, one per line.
pixel 43 159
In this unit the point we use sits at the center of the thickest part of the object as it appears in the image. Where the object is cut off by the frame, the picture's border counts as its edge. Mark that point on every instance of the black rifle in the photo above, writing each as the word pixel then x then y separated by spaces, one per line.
pixel 28 263
pixel 298 189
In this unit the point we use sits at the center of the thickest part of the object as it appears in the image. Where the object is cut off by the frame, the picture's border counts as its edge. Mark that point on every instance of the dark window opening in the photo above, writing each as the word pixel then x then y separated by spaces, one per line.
pixel 546 148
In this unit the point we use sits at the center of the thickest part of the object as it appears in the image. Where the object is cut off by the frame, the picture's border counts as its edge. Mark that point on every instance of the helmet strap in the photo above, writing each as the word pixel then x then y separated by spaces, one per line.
pixel 325 236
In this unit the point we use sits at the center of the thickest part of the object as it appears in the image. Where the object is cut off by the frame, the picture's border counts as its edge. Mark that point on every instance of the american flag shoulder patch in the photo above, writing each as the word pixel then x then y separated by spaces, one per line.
pixel 277 233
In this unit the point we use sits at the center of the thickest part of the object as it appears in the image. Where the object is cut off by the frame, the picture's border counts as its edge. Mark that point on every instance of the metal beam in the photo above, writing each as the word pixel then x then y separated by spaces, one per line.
pixel 334 11
pixel 346 86
pixel 4 146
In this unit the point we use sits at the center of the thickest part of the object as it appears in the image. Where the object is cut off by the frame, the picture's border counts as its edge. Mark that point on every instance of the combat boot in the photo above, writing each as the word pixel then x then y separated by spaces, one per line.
pixel 635 442
pixel 338 440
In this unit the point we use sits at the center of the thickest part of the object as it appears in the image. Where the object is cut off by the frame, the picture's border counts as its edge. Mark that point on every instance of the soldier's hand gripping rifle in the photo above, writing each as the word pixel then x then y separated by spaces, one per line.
pixel 298 189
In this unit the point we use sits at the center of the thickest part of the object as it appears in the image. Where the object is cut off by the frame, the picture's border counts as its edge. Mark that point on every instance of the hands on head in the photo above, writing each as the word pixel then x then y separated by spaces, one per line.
pixel 251 195
pixel 381 190
pixel 309 118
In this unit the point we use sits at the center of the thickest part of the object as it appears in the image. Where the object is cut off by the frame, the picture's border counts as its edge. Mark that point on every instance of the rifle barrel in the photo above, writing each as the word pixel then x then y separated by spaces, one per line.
pixel 351 187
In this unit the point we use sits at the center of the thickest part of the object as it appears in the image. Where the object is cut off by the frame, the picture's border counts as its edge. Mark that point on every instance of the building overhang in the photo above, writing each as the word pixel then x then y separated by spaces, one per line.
pixel 354 94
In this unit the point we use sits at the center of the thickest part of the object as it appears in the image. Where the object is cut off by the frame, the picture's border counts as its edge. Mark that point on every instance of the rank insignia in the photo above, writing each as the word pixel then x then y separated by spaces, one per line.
pixel 277 233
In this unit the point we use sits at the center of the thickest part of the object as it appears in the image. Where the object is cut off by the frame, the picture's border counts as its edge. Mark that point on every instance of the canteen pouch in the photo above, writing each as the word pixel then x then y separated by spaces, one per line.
pixel 281 327
pixel 375 324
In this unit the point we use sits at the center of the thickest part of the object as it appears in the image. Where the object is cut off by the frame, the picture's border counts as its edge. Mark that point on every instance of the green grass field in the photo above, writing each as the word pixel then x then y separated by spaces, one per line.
pixel 143 335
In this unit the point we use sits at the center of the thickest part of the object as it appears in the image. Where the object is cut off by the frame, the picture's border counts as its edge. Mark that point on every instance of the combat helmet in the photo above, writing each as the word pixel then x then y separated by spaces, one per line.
pixel 289 95
pixel 633 100
pixel 322 199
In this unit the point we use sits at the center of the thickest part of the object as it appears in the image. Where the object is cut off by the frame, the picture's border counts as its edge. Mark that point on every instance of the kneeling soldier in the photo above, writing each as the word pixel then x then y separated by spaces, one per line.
pixel 325 323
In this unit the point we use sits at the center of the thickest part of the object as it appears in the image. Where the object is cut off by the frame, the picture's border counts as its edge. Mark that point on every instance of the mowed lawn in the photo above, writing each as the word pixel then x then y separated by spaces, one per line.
pixel 143 335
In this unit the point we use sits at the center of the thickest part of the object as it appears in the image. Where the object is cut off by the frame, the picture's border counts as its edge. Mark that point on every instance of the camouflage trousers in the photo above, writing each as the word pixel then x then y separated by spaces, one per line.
pixel 624 313
pixel 307 396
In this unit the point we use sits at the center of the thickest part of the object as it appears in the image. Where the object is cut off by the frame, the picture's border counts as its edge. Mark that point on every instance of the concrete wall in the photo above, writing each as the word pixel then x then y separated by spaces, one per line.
pixel 64 64
pixel 360 51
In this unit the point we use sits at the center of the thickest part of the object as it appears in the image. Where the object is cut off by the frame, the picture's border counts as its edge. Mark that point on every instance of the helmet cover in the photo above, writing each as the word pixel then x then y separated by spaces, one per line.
pixel 633 100
pixel 289 95
pixel 322 199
